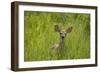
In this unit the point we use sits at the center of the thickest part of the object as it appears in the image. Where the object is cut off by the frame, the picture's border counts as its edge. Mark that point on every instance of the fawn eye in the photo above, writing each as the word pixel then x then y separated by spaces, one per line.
pixel 60 32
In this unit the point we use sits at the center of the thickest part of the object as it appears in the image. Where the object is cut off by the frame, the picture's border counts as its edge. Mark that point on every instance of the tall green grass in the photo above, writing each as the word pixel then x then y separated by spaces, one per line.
pixel 39 35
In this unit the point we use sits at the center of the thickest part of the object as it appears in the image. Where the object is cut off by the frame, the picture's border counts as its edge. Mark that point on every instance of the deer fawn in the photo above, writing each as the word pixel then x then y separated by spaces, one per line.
pixel 62 34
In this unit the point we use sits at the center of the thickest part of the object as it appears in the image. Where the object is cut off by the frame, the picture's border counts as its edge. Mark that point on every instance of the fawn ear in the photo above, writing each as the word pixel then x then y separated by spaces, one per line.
pixel 57 28
pixel 68 30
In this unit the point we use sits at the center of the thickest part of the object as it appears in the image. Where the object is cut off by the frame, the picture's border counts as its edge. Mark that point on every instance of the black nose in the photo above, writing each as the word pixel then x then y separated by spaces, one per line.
pixel 62 36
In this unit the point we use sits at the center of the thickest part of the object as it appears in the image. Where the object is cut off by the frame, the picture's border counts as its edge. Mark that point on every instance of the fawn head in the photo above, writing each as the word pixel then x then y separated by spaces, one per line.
pixel 62 32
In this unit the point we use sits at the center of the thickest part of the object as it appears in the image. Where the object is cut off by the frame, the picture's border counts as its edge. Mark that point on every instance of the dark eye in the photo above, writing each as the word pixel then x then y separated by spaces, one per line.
pixel 60 33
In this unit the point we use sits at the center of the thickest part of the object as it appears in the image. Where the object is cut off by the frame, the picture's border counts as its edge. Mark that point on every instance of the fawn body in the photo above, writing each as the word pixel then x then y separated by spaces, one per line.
pixel 63 33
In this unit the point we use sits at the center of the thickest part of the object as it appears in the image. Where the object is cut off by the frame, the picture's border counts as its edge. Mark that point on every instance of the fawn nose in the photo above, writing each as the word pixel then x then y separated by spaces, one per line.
pixel 63 36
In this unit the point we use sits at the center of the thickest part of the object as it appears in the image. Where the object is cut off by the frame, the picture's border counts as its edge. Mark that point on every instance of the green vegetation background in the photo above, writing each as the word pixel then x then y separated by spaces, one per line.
pixel 39 35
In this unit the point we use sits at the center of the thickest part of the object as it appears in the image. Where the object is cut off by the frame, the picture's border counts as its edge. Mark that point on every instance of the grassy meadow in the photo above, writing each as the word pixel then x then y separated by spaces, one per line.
pixel 39 35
